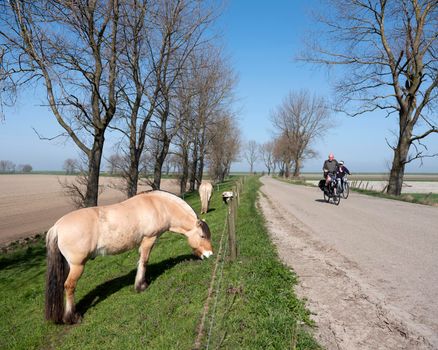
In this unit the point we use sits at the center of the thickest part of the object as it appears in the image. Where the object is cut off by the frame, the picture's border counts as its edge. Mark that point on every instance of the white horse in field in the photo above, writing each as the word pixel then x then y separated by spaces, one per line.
pixel 205 192
pixel 112 229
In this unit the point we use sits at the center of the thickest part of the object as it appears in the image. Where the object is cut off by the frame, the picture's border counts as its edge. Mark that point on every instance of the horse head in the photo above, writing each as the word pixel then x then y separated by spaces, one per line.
pixel 199 239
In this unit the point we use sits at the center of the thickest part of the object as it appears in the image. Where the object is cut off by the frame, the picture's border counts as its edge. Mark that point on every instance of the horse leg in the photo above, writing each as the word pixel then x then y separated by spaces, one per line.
pixel 145 249
pixel 70 315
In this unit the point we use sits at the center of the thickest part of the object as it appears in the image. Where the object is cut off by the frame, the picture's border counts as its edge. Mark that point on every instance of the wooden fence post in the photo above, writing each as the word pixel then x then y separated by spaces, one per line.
pixel 232 229
pixel 236 191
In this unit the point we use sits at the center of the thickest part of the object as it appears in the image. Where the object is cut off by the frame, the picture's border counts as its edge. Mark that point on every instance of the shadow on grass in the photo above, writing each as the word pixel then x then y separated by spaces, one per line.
pixel 24 257
pixel 106 289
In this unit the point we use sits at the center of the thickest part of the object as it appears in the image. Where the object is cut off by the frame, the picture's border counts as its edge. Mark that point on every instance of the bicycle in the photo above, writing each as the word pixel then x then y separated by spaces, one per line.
pixel 345 187
pixel 331 191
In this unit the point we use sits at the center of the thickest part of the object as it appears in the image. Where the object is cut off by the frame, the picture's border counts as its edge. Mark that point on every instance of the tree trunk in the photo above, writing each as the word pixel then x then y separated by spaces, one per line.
pixel 200 171
pixel 287 170
pixel 94 160
pixel 159 164
pixel 193 168
pixel 157 174
pixel 223 174
pixel 157 171
pixel 398 167
pixel 201 152
pixel 400 154
pixel 297 167
pixel 184 173
pixel 132 176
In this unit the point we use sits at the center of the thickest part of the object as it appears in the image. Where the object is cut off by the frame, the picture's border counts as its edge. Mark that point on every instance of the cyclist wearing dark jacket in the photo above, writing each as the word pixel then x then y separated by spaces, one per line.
pixel 330 168
pixel 342 169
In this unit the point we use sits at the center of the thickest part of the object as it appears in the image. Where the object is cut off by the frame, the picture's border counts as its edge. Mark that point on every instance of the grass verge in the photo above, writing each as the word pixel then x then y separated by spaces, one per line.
pixel 418 198
pixel 254 307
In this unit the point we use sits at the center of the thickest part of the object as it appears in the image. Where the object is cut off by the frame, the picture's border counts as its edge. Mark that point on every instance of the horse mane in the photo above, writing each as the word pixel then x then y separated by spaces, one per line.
pixel 205 229
pixel 147 191
pixel 173 197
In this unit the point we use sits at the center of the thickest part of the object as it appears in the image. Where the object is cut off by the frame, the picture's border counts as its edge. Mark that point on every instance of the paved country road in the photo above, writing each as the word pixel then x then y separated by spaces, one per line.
pixel 368 267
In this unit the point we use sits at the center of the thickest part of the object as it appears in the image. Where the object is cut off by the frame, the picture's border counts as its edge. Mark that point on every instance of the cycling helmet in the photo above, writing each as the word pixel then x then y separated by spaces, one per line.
pixel 341 162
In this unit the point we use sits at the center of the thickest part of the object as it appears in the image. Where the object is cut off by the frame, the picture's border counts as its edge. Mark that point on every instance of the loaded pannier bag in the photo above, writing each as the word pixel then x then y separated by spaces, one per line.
pixel 321 184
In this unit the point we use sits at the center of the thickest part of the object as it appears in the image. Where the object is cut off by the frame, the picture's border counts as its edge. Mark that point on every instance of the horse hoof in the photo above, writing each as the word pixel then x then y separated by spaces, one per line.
pixel 141 287
pixel 72 318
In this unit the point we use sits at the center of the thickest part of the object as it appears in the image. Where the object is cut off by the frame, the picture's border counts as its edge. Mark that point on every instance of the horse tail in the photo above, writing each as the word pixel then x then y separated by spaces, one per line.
pixel 57 271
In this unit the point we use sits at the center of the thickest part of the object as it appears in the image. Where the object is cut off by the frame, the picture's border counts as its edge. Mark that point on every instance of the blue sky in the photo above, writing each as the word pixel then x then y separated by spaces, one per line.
pixel 261 38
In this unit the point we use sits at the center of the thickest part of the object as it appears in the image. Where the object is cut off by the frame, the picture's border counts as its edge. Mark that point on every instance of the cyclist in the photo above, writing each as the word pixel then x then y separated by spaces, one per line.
pixel 330 168
pixel 342 170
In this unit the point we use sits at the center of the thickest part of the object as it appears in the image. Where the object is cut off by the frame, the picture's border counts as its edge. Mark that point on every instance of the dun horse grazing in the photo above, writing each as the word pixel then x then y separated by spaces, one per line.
pixel 205 191
pixel 86 233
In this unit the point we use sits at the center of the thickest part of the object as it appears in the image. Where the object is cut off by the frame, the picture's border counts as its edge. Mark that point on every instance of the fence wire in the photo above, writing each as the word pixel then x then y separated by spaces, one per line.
pixel 220 255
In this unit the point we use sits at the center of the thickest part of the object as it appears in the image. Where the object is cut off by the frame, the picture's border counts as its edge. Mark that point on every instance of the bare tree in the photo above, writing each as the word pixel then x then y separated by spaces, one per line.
pixel 72 47
pixel 211 82
pixel 8 87
pixel 139 61
pixel 159 37
pixel 250 153
pixel 6 166
pixel 390 52
pixel 181 26
pixel 267 154
pixel 283 154
pixel 116 164
pixel 224 148
pixel 24 168
pixel 70 166
pixel 171 163
pixel 301 118
pixel 74 189
pixel 184 143
pixel 214 82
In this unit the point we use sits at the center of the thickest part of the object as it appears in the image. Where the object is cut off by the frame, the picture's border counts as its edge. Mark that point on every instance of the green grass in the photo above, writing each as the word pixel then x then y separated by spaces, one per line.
pixel 418 198
pixel 256 307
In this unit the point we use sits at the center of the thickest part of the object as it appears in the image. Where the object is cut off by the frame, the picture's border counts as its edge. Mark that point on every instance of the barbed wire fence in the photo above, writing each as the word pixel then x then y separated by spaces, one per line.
pixel 225 246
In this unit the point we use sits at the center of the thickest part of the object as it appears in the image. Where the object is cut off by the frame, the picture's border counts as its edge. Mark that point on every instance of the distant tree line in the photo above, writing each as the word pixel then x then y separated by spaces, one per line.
pixel 8 167
pixel 148 70
pixel 299 121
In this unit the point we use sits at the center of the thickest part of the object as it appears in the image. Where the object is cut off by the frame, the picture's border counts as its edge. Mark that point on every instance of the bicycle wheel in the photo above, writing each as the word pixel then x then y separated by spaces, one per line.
pixel 346 191
pixel 336 199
